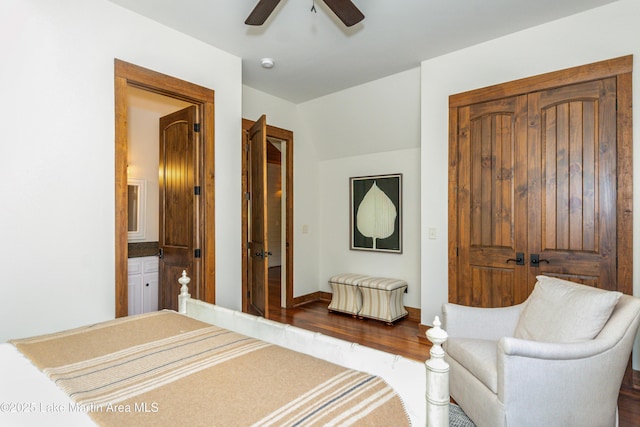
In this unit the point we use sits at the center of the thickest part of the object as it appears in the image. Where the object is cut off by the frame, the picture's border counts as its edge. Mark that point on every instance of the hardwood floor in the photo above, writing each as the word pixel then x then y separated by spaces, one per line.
pixel 399 339
pixel 402 339
pixel 629 408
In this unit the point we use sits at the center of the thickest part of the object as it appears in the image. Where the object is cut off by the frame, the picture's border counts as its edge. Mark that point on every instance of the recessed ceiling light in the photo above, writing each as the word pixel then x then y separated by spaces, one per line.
pixel 267 63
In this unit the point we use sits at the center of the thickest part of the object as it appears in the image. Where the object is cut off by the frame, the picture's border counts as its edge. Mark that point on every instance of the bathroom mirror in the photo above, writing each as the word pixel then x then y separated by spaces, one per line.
pixel 136 211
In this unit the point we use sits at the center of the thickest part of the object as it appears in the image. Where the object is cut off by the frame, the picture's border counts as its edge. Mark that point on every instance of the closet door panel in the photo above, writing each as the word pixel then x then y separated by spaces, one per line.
pixel 572 183
pixel 492 202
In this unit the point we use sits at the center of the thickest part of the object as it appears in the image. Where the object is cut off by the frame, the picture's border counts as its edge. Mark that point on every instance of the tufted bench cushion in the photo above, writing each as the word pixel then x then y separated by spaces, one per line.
pixel 382 298
pixel 346 297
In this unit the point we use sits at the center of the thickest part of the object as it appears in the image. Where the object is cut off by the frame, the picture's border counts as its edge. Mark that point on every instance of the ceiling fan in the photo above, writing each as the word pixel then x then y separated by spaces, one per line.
pixel 344 9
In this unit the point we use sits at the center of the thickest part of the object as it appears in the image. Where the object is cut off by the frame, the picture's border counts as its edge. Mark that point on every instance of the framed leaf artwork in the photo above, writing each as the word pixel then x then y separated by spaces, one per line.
pixel 376 213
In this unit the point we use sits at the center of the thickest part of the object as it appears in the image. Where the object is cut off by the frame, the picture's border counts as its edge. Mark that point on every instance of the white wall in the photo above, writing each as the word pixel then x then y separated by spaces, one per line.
pixel 368 129
pixel 57 155
pixel 382 115
pixel 603 33
pixel 336 257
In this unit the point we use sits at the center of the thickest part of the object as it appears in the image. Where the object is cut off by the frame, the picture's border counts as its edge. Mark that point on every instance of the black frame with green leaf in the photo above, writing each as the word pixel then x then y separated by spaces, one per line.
pixel 377 212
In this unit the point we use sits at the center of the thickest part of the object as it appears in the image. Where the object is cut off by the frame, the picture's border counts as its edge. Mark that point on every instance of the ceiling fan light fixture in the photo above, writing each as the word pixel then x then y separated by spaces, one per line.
pixel 267 63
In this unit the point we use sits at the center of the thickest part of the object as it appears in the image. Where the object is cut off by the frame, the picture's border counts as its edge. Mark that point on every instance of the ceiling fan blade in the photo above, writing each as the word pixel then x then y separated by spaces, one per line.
pixel 346 11
pixel 261 12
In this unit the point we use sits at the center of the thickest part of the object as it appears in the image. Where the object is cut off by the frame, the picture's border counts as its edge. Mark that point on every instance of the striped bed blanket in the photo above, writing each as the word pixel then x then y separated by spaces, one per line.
pixel 164 368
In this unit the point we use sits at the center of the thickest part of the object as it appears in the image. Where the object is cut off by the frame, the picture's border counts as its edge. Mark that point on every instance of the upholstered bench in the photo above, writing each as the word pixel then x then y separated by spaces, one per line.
pixel 346 298
pixel 382 299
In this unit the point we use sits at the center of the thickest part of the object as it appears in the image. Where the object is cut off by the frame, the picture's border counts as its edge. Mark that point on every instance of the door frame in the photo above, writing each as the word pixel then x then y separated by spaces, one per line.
pixel 620 68
pixel 125 75
pixel 287 137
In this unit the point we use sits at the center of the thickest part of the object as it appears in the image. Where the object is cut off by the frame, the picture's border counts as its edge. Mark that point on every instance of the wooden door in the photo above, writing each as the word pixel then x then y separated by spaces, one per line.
pixel 286 159
pixel 492 204
pixel 178 234
pixel 258 242
pixel 540 183
pixel 572 183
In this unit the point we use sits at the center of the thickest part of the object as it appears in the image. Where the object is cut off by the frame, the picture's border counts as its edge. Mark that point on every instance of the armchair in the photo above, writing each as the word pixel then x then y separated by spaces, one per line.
pixel 557 359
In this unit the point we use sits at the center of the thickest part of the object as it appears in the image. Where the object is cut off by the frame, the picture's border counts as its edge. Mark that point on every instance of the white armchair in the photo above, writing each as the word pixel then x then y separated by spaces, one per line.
pixel 557 359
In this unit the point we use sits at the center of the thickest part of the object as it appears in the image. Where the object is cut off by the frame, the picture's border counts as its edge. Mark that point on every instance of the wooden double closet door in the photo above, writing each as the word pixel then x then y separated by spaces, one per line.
pixel 540 183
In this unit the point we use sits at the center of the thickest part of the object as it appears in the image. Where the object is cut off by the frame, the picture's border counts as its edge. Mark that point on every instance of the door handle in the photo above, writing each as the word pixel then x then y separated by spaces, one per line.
pixel 519 259
pixel 262 254
pixel 535 260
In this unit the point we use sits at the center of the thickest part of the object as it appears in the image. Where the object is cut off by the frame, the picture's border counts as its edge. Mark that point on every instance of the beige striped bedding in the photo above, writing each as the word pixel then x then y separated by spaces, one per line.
pixel 167 369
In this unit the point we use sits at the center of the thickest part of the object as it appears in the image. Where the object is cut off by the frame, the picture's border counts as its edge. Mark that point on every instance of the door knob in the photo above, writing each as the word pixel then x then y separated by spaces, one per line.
pixel 262 254
pixel 535 260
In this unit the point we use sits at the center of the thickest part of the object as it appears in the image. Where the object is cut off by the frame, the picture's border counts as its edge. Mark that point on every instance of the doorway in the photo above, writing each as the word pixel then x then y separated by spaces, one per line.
pixel 151 279
pixel 278 164
pixel 128 76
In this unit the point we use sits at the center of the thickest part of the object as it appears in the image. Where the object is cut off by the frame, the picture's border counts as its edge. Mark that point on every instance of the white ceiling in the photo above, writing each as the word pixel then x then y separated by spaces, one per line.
pixel 315 54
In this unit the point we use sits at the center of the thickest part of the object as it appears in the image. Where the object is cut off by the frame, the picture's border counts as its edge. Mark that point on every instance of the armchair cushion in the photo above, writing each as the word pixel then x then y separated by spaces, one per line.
pixel 479 357
pixel 561 311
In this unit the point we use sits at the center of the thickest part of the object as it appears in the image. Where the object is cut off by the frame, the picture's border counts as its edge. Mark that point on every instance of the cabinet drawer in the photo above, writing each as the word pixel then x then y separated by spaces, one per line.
pixel 135 266
pixel 150 265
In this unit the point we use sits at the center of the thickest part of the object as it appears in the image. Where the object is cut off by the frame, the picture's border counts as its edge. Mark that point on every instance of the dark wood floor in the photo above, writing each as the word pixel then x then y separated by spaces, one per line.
pixel 629 408
pixel 400 339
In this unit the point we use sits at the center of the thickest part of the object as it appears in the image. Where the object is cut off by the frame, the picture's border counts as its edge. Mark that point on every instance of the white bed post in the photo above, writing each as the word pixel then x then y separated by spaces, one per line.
pixel 184 293
pixel 437 379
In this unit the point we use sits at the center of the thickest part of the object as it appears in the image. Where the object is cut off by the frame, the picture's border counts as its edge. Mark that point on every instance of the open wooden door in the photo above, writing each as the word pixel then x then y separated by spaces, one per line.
pixel 178 234
pixel 279 217
pixel 258 242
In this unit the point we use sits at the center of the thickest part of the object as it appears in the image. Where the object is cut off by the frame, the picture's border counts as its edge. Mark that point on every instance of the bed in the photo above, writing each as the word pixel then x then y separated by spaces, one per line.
pixel 208 365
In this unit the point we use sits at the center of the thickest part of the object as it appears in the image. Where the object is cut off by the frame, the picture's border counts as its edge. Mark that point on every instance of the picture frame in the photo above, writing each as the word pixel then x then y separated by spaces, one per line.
pixel 376 213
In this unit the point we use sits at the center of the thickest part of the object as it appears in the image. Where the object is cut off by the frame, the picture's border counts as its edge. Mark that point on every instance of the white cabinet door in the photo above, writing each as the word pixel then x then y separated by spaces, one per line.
pixel 135 286
pixel 150 285
pixel 143 285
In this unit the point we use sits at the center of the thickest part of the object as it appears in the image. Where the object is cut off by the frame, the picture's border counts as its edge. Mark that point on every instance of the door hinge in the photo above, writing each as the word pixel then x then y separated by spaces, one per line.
pixel 196 190
pixel 247 195
pixel 196 127
pixel 196 253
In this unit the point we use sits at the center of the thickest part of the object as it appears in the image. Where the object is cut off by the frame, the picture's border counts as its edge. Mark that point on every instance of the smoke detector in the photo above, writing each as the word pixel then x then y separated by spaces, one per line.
pixel 267 63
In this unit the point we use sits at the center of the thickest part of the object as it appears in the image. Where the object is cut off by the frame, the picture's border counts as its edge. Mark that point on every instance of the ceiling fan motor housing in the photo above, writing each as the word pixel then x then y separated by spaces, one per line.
pixel 348 13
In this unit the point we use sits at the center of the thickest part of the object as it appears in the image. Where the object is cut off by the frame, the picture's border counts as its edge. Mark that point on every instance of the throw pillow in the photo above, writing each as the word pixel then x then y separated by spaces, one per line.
pixel 562 311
